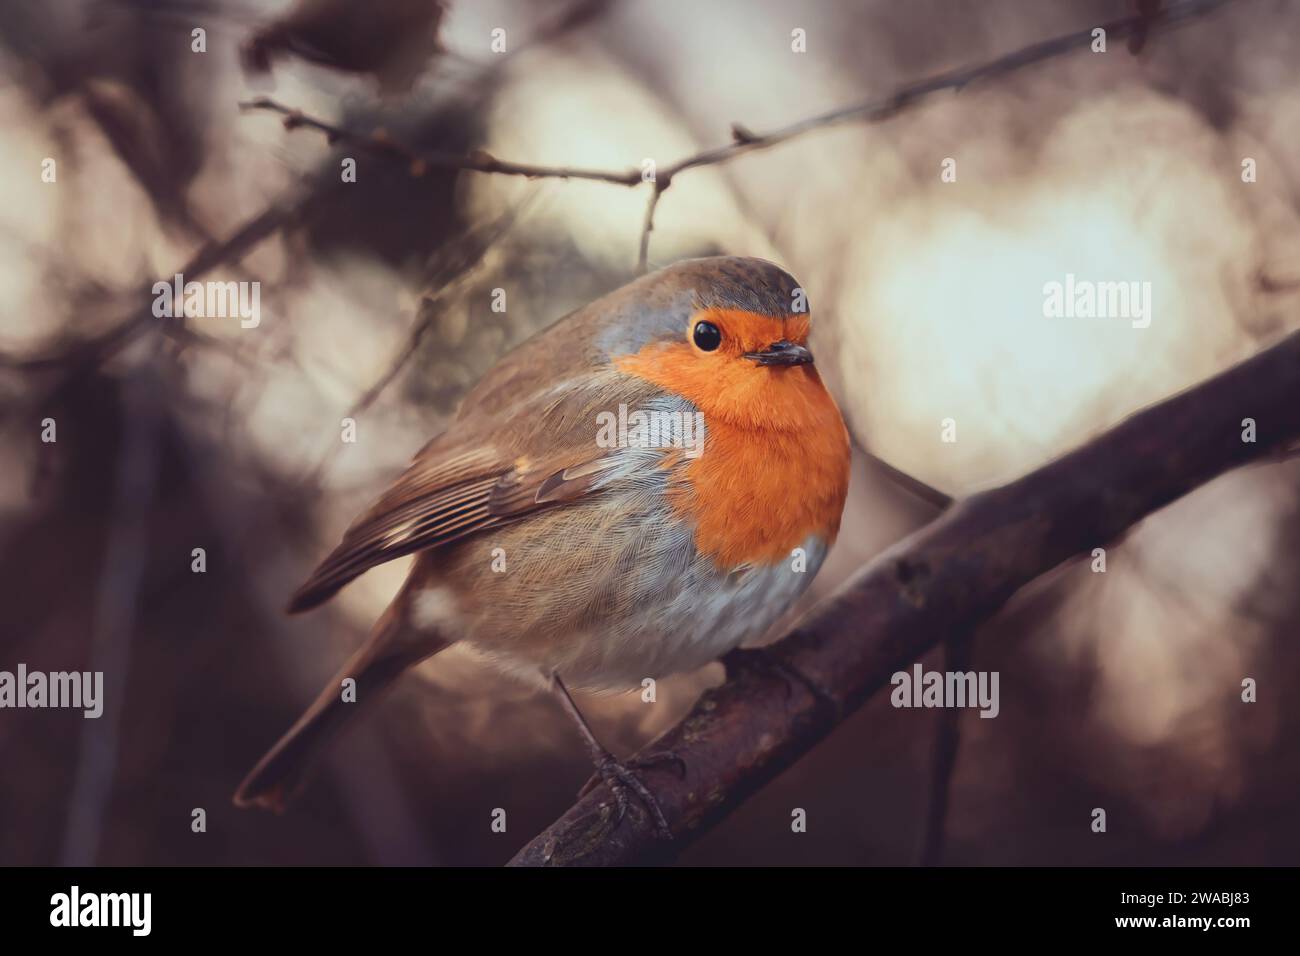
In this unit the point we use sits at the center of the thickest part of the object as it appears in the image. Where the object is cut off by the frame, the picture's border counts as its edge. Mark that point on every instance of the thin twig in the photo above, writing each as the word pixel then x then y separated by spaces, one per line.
pixel 912 485
pixel 92 351
pixel 744 141
pixel 649 223
pixel 420 161
pixel 454 267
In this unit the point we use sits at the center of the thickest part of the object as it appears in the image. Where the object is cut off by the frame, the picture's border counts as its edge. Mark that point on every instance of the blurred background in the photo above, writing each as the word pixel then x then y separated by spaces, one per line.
pixel 1119 690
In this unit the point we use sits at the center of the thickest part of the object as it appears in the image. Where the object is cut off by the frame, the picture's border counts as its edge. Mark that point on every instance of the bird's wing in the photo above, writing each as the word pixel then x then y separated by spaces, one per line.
pixel 485 473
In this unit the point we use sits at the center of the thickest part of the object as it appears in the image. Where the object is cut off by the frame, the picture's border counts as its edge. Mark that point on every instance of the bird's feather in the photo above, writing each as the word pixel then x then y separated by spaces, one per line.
pixel 545 454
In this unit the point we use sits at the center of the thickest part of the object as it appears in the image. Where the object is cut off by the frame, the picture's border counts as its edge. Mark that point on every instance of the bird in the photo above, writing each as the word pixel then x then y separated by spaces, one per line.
pixel 573 552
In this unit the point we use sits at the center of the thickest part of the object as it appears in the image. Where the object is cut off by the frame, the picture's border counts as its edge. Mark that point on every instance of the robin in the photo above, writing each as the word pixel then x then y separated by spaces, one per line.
pixel 573 525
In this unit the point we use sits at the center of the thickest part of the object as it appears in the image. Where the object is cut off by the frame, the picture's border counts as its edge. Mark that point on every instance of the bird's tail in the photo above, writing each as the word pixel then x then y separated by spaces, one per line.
pixel 281 774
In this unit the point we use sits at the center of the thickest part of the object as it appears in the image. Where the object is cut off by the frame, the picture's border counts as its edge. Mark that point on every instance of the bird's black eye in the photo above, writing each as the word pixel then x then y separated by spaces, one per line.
pixel 707 336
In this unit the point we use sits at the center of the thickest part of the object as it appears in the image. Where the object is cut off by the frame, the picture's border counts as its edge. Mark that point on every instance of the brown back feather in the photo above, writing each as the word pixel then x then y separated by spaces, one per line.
pixel 452 491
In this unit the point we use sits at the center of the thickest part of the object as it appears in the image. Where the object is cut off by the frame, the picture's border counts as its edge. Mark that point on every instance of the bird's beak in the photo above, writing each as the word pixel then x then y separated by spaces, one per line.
pixel 782 353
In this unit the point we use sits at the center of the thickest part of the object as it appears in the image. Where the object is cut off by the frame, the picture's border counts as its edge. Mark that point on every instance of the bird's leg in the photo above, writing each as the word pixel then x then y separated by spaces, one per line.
pixel 762 660
pixel 618 775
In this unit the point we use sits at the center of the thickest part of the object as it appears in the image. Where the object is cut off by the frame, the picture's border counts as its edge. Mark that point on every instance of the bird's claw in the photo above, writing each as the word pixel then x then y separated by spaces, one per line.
pixel 620 777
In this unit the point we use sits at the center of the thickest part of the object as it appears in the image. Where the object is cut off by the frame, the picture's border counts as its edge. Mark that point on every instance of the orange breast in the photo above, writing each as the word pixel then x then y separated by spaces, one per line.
pixel 775 465
pixel 754 497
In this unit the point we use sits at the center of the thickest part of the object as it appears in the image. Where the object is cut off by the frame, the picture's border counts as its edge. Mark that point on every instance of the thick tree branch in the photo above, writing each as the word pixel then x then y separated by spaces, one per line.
pixel 946 578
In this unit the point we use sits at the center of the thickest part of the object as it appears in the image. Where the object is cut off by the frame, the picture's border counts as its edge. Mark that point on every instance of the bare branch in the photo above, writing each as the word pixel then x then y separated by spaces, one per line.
pixel 453 267
pixel 648 225
pixel 92 351
pixel 945 579
pixel 744 140
pixel 886 107
pixel 913 486
pixel 419 161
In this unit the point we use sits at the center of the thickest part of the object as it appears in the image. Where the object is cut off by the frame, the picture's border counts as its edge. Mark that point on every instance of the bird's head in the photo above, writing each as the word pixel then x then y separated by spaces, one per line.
pixel 729 334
